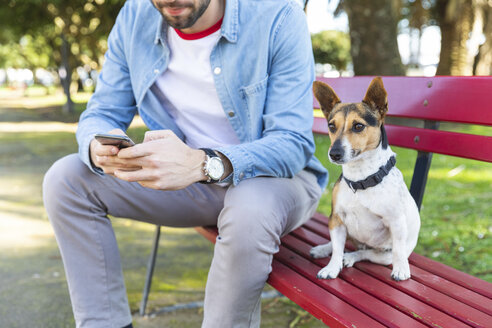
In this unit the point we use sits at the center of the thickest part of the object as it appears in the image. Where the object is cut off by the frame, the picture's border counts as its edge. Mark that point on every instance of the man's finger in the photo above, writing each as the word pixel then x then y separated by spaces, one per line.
pixel 121 167
pixel 133 176
pixel 157 134
pixel 105 150
pixel 115 161
pixel 111 169
pixel 139 150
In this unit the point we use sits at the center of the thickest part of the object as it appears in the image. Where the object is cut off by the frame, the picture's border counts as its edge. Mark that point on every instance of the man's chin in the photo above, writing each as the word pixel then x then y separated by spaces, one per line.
pixel 178 22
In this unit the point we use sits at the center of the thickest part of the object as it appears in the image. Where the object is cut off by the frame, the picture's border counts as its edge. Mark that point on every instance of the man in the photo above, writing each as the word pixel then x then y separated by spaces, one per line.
pixel 231 76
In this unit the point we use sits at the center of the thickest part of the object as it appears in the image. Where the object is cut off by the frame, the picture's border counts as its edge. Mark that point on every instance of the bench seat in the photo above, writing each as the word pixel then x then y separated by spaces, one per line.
pixel 366 296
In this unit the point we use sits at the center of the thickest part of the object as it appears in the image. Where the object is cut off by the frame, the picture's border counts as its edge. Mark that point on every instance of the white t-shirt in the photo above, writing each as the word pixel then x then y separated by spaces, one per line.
pixel 189 90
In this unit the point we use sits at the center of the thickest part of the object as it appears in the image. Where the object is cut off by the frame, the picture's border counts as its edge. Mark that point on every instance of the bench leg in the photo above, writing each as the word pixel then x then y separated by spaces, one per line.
pixel 150 271
pixel 421 170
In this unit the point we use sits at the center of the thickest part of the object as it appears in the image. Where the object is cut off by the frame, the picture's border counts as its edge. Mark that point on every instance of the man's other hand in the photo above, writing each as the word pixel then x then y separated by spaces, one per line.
pixel 106 157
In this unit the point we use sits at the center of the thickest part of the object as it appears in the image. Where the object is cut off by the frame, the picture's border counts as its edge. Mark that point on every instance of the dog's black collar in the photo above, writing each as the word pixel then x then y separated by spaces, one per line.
pixel 373 179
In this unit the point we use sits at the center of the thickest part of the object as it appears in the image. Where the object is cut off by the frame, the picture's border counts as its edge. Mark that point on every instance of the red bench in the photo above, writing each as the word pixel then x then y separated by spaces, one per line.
pixel 365 295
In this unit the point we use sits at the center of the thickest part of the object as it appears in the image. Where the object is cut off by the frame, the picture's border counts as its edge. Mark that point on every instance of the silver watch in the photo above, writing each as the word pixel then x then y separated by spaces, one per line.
pixel 213 166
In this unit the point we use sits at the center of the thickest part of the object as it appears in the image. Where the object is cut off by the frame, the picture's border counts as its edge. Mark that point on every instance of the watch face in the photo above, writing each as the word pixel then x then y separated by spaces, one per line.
pixel 215 168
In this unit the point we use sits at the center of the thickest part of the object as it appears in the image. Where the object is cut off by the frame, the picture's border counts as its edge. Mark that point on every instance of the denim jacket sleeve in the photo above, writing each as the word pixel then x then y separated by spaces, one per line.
pixel 287 143
pixel 113 104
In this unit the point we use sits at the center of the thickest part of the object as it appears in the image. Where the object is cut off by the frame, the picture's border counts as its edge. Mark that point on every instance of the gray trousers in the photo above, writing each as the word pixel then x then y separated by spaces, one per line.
pixel 251 218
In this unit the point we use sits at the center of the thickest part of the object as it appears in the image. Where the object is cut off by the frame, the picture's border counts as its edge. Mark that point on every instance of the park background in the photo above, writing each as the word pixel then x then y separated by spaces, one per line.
pixel 50 55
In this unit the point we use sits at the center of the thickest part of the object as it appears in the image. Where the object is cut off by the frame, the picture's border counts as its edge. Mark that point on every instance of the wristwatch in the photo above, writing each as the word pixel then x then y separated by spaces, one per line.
pixel 213 166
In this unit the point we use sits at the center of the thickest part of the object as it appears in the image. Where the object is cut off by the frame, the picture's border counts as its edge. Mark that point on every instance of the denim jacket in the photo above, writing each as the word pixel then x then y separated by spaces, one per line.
pixel 263 71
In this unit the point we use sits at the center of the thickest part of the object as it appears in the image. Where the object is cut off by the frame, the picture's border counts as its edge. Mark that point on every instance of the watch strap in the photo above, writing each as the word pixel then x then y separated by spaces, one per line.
pixel 209 152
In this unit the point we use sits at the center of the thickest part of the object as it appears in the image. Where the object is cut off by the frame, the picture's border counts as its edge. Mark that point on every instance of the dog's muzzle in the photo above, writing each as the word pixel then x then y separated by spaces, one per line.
pixel 336 152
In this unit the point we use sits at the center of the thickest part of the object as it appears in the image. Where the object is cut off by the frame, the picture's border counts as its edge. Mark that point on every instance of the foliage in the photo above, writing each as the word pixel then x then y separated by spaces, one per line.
pixel 459 22
pixel 74 33
pixel 84 23
pixel 32 51
pixel 331 47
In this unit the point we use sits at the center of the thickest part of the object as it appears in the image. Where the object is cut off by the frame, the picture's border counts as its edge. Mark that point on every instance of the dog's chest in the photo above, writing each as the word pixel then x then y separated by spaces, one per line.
pixel 361 222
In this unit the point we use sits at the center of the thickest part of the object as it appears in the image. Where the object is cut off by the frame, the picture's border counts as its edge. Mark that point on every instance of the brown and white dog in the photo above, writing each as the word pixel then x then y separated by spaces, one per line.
pixel 371 203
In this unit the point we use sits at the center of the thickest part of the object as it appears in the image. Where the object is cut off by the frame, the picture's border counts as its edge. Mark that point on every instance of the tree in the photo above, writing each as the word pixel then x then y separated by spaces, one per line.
pixel 373 32
pixel 75 31
pixel 332 47
pixel 455 18
pixel 482 64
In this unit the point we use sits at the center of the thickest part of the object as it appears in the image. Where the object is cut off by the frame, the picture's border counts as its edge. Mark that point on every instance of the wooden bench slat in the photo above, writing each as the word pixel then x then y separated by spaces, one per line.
pixel 453 290
pixel 448 273
pixel 329 309
pixel 392 296
pixel 461 278
pixel 445 303
pixel 441 142
pixel 466 313
pixel 367 303
pixel 208 232
pixel 436 141
pixel 429 279
pixel 412 97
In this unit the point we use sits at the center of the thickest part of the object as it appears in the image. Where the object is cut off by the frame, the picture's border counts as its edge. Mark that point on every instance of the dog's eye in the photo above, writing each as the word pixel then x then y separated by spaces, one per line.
pixel 332 127
pixel 358 127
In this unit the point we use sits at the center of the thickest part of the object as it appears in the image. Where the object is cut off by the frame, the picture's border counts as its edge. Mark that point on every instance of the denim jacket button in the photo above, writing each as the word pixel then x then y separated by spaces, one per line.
pixel 231 114
pixel 217 70
pixel 156 71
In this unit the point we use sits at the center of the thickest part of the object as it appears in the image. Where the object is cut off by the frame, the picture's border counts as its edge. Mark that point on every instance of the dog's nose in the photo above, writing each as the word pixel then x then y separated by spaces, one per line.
pixel 336 154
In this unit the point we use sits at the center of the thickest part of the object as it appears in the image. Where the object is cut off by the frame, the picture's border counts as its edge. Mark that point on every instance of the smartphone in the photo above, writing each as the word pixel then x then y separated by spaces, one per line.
pixel 114 140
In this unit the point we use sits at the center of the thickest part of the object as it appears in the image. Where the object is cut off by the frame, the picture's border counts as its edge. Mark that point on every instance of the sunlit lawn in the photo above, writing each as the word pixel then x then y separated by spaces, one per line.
pixel 456 223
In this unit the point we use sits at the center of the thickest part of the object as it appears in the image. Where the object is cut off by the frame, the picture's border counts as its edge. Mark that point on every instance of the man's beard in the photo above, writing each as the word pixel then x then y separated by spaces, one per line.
pixel 182 22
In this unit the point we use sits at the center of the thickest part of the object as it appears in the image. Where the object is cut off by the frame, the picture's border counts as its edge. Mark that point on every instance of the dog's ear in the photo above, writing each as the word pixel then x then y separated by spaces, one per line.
pixel 376 96
pixel 326 97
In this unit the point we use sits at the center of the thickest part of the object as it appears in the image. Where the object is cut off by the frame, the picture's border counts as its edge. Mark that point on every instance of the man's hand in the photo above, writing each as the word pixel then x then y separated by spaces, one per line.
pixel 166 162
pixel 105 157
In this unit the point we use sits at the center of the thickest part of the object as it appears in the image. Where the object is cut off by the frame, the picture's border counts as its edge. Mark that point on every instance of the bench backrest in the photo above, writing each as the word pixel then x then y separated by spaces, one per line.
pixel 431 100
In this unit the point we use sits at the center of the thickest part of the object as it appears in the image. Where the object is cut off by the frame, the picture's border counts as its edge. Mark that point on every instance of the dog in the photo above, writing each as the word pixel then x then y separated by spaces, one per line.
pixel 371 204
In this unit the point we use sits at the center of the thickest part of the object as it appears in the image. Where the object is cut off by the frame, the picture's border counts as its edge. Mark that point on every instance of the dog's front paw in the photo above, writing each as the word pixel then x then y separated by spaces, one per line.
pixel 329 272
pixel 349 259
pixel 321 251
pixel 401 272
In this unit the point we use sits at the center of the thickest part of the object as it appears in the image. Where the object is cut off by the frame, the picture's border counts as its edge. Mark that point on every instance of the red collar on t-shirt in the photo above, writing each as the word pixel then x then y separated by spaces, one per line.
pixel 201 34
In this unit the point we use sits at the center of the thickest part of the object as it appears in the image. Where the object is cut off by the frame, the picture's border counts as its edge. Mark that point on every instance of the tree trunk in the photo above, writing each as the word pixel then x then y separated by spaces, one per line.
pixel 373 37
pixel 66 75
pixel 483 60
pixel 455 18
